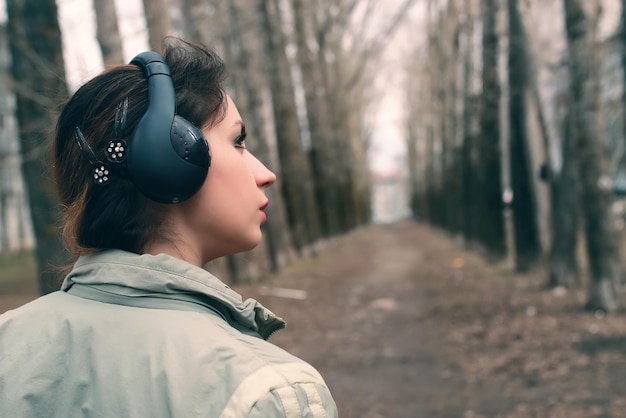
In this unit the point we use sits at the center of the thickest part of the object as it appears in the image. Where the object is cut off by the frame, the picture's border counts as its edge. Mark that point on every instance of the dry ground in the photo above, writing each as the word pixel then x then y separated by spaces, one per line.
pixel 404 323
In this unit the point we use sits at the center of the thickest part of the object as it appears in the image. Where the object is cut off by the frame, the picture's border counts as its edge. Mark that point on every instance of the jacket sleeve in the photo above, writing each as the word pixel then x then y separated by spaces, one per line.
pixel 300 400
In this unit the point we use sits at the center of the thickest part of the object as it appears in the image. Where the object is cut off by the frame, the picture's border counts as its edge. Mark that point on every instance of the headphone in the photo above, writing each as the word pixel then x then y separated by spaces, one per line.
pixel 168 157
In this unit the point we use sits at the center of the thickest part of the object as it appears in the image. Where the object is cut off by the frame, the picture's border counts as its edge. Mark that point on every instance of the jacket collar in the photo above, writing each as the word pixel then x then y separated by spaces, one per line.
pixel 159 281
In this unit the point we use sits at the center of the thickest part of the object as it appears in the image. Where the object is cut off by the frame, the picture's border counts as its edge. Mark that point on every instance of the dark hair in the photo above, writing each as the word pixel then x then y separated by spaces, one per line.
pixel 116 214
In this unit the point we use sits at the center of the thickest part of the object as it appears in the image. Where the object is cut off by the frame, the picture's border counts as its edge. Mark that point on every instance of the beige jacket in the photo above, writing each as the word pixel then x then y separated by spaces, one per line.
pixel 150 336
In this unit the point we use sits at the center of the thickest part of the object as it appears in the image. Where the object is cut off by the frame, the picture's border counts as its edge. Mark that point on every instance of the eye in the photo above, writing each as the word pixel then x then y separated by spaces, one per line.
pixel 240 140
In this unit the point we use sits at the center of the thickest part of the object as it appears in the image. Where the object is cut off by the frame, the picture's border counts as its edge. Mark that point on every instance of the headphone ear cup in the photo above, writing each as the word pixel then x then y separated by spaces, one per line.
pixel 168 157
pixel 170 171
pixel 189 142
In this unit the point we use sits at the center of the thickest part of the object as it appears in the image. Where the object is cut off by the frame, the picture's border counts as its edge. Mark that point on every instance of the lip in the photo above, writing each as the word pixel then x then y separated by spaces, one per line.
pixel 263 214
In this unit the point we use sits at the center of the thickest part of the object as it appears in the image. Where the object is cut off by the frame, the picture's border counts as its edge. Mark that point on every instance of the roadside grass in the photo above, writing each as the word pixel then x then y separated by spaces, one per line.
pixel 18 272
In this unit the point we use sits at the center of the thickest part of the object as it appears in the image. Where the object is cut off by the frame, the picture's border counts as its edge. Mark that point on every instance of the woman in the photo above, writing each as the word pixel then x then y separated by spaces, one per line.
pixel 139 329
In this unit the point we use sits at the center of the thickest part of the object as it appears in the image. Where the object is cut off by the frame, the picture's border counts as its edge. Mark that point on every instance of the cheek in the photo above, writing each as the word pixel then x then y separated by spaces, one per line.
pixel 233 171
pixel 226 183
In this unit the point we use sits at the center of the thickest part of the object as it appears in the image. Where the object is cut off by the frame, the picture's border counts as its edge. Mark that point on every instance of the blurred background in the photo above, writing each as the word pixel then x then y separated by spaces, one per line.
pixel 499 122
pixel 496 126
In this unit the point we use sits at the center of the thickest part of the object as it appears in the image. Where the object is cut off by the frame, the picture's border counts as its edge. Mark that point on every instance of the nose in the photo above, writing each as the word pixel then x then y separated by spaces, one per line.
pixel 263 176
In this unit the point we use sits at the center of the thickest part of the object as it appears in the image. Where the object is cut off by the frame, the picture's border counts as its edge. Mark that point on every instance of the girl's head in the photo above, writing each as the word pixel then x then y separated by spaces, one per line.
pixel 115 214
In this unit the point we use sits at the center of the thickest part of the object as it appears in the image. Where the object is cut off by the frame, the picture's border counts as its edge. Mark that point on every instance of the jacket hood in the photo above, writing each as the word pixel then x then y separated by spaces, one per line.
pixel 163 281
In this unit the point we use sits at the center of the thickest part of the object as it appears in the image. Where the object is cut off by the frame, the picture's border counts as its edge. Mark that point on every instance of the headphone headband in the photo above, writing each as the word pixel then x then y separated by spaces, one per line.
pixel 168 157
pixel 151 63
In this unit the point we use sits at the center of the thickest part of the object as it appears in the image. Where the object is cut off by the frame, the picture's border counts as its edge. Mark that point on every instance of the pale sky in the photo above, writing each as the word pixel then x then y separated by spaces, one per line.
pixel 388 148
pixel 83 60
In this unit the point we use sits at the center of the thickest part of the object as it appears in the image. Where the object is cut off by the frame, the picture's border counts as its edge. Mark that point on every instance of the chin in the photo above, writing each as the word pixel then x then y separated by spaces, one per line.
pixel 252 244
pixel 234 245
pixel 249 243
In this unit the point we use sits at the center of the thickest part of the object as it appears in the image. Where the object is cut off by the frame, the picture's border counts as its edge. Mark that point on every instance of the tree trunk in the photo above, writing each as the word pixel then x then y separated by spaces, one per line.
pixel 248 83
pixel 296 174
pixel 108 33
pixel 338 92
pixel 355 163
pixel 413 160
pixel 442 70
pixel 454 76
pixel 6 181
pixel 321 151
pixel 563 269
pixel 490 220
pixel 623 41
pixel 417 86
pixel 527 250
pixel 196 24
pixel 468 168
pixel 601 237
pixel 191 25
pixel 158 22
pixel 346 75
pixel 39 74
pixel 433 139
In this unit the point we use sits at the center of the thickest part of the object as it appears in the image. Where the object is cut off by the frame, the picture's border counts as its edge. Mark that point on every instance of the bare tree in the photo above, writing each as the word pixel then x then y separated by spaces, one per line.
pixel 443 65
pixel 558 205
pixel 527 249
pixel 601 237
pixel 296 179
pixel 248 82
pixel 108 33
pixel 347 74
pixel 323 163
pixel 417 116
pixel 196 20
pixel 563 268
pixel 468 163
pixel 39 74
pixel 329 27
pixel 451 64
pixel 413 138
pixel 623 41
pixel 490 221
pixel 158 21
pixel 438 76
pixel 432 169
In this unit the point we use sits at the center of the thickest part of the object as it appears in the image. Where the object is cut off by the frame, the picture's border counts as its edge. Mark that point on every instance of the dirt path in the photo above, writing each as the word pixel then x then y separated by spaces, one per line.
pixel 360 325
pixel 405 323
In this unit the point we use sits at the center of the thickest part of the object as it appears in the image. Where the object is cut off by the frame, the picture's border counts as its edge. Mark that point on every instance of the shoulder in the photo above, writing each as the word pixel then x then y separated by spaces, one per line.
pixel 292 389
pixel 33 311
pixel 250 377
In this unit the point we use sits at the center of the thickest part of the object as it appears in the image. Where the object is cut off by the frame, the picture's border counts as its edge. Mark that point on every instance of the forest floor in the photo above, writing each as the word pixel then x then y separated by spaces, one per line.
pixel 403 322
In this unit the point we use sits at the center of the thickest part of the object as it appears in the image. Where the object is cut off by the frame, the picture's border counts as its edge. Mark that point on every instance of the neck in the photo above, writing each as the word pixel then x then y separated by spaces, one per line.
pixel 175 249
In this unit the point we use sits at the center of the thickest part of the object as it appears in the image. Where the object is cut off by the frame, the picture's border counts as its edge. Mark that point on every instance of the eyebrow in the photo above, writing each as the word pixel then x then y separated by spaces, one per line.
pixel 239 123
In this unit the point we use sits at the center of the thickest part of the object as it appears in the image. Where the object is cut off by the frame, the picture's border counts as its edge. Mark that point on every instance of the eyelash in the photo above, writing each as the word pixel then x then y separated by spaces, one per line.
pixel 240 139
